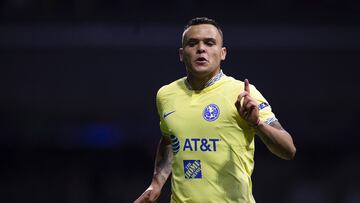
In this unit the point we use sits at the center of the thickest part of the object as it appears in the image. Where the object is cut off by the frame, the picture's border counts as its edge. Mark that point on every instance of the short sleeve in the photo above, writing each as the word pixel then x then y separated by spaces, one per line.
pixel 265 111
pixel 159 105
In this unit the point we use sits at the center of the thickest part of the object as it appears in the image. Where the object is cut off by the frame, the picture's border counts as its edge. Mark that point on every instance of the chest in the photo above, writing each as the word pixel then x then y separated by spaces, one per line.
pixel 199 113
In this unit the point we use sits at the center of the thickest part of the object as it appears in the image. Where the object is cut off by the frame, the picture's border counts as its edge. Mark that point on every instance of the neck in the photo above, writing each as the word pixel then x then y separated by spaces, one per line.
pixel 199 83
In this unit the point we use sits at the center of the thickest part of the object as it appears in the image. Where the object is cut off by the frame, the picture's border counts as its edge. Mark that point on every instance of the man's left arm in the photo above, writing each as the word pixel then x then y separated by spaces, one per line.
pixel 276 139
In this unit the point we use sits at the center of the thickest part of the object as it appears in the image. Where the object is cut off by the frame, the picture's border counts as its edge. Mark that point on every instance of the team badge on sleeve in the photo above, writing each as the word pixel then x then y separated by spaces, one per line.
pixel 211 112
pixel 263 105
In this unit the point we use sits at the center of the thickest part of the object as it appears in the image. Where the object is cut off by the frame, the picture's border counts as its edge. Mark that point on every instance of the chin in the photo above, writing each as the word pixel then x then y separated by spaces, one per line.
pixel 201 69
pixel 200 72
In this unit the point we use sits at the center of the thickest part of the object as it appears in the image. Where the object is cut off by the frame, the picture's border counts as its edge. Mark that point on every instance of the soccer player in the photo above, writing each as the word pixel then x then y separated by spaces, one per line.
pixel 208 121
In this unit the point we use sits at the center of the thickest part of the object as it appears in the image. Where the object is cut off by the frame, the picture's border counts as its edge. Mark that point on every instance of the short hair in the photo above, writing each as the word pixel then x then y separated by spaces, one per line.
pixel 203 20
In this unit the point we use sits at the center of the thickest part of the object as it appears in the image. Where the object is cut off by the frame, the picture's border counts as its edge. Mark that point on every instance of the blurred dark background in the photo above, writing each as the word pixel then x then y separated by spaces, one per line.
pixel 78 80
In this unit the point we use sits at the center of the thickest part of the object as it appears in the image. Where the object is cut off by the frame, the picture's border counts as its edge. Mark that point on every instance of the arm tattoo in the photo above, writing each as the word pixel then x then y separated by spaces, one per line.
pixel 279 143
pixel 276 125
pixel 265 139
pixel 163 161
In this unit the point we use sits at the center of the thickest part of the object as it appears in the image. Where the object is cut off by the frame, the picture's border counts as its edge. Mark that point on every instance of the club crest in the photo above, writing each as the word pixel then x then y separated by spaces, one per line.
pixel 211 112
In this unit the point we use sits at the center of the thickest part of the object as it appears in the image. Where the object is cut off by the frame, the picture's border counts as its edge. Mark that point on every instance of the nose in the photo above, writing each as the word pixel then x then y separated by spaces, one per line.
pixel 200 48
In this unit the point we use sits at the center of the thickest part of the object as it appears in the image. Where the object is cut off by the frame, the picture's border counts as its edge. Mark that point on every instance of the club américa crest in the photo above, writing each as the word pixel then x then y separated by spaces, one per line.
pixel 211 112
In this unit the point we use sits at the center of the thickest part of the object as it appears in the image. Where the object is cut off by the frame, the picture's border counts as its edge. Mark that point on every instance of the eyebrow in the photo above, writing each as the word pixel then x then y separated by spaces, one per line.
pixel 205 39
pixel 210 39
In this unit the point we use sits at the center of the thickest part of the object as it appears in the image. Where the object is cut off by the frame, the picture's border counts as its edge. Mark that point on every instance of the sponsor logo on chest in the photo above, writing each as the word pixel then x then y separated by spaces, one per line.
pixel 194 144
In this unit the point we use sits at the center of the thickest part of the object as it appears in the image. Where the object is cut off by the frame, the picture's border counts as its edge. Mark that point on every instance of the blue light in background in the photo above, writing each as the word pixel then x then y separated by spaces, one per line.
pixel 101 135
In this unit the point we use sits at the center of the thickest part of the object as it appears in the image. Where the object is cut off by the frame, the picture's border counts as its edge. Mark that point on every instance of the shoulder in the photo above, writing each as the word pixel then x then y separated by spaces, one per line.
pixel 233 85
pixel 170 88
pixel 236 86
pixel 239 84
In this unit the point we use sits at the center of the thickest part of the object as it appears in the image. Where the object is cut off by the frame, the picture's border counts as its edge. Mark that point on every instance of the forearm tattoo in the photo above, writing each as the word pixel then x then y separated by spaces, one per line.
pixel 276 125
pixel 266 139
pixel 163 161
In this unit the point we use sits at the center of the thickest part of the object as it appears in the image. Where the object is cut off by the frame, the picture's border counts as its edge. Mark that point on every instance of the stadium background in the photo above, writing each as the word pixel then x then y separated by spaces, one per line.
pixel 78 80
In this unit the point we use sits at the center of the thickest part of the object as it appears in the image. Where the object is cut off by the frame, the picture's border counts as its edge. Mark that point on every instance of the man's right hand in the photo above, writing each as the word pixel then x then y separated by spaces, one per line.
pixel 162 171
pixel 150 195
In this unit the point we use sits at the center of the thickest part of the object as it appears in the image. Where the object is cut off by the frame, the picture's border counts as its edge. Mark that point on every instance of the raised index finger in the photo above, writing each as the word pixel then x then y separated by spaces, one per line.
pixel 247 86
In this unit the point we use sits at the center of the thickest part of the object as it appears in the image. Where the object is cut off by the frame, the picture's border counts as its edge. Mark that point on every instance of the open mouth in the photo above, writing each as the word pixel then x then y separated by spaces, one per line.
pixel 201 60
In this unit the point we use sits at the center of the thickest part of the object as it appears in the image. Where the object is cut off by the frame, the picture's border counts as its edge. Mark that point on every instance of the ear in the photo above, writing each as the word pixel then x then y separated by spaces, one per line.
pixel 181 54
pixel 223 53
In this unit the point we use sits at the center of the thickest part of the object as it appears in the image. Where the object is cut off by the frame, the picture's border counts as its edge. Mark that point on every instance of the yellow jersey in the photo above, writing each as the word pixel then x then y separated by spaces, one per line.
pixel 213 146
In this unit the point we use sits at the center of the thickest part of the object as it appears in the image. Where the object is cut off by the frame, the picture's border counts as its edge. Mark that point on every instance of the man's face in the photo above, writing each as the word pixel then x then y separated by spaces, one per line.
pixel 202 50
